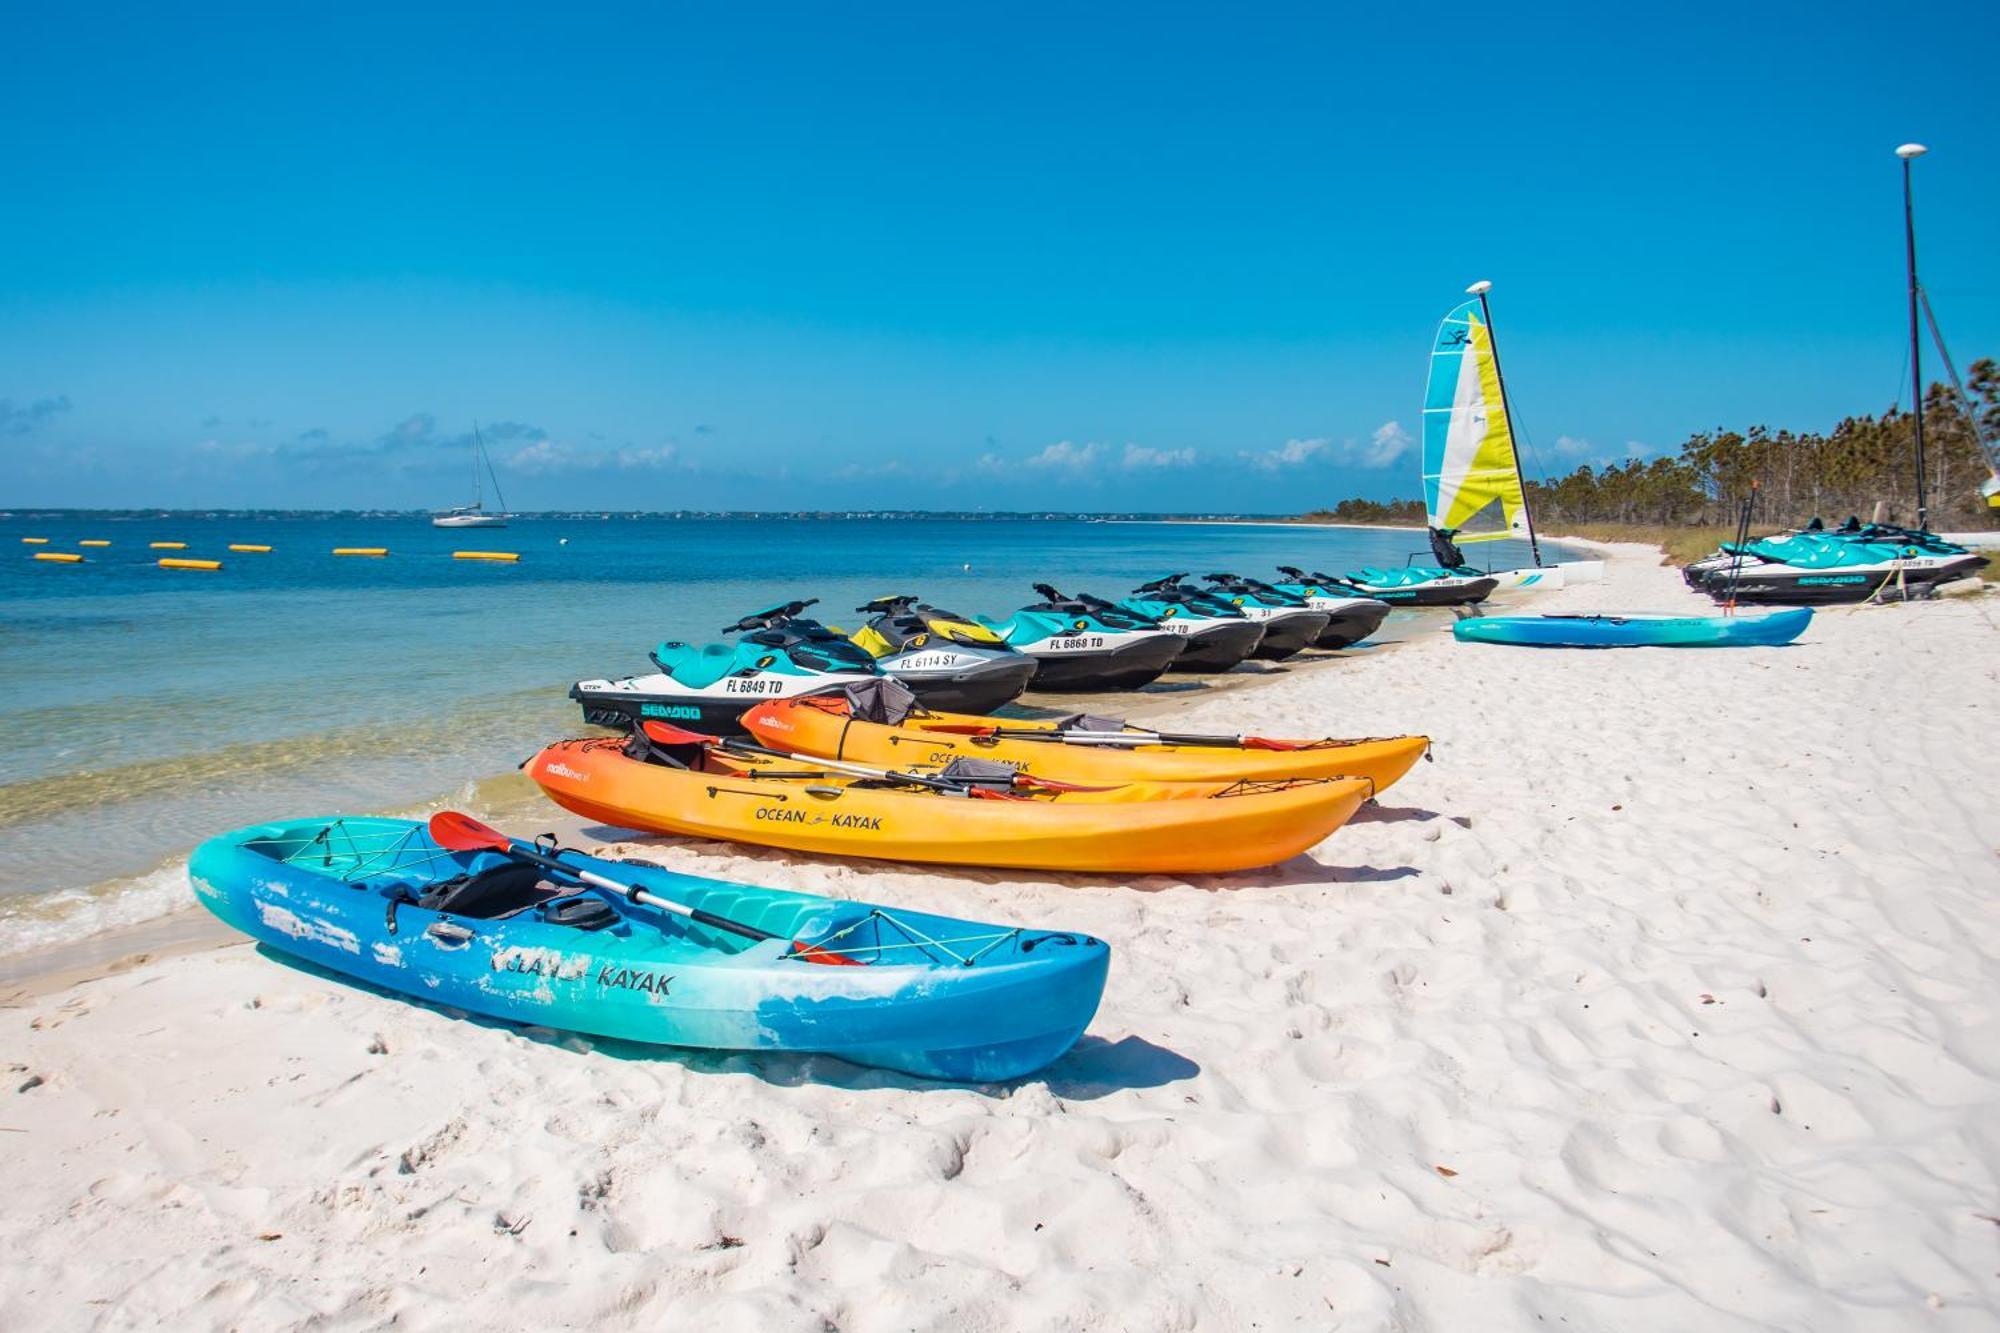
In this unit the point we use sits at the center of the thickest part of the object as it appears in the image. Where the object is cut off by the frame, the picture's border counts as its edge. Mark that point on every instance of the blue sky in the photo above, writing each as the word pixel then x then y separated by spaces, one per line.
pixel 946 256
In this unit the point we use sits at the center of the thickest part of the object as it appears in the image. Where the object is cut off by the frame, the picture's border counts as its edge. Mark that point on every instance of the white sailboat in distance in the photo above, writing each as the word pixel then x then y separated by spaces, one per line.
pixel 474 515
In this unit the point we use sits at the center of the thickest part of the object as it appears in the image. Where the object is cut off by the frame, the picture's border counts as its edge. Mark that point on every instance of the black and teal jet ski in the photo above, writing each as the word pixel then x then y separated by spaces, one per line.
pixel 1289 624
pixel 950 663
pixel 1087 643
pixel 1816 565
pixel 1418 585
pixel 1218 634
pixel 709 687
pixel 1349 619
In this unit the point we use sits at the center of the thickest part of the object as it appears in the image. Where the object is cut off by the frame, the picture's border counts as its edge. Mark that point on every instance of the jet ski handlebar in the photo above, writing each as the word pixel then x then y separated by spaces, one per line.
pixel 1048 591
pixel 886 606
pixel 770 617
pixel 1167 584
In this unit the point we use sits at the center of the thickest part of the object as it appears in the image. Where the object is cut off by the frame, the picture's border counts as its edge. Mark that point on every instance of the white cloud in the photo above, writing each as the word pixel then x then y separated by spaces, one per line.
pixel 1292 454
pixel 1063 454
pixel 1389 443
pixel 1139 455
pixel 550 457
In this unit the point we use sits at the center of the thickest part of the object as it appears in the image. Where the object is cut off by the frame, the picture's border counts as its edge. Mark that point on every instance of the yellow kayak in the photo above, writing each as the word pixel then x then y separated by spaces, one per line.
pixel 828 725
pixel 717 790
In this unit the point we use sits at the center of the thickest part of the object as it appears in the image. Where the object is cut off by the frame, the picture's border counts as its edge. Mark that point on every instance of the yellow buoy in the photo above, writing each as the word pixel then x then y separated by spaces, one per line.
pixel 93 541
pixel 60 557
pixel 246 546
pixel 361 550
pixel 508 556
pixel 169 546
pixel 35 541
pixel 168 562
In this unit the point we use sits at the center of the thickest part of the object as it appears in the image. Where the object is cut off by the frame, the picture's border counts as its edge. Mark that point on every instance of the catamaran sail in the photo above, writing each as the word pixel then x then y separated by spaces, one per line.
pixel 1473 490
pixel 1472 481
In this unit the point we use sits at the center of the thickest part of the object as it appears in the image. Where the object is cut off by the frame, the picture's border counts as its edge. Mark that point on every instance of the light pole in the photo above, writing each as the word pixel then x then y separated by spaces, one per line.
pixel 1909 152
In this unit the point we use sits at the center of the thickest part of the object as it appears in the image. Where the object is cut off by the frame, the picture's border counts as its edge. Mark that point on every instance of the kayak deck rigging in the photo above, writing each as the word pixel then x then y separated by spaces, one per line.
pixel 340 852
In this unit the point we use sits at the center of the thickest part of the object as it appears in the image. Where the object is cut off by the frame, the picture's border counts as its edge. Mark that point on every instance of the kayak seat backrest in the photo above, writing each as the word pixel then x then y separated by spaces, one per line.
pixel 501 891
pixel 696 667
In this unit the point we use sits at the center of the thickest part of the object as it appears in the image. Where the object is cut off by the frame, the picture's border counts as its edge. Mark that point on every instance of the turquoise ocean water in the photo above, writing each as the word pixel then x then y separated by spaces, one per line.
pixel 143 709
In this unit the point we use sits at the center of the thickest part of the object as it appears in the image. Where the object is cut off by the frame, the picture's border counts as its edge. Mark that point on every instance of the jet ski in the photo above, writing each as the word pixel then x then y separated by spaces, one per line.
pixel 1350 619
pixel 1289 624
pixel 1815 568
pixel 948 662
pixel 1418 585
pixel 1087 643
pixel 1218 634
pixel 708 687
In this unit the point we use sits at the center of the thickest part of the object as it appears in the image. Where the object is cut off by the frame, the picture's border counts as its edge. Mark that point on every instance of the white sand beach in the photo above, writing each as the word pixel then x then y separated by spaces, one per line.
pixel 1667 998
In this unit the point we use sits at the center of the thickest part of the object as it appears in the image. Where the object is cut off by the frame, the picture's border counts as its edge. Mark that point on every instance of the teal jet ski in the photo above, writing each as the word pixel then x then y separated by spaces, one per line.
pixel 1289 624
pixel 1087 643
pixel 1416 585
pixel 1349 619
pixel 709 687
pixel 1218 634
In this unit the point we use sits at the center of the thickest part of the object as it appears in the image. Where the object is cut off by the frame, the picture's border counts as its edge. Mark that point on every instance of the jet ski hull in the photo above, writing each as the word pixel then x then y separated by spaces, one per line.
pixel 1219 646
pixel 968 685
pixel 716 711
pixel 1352 623
pixel 1787 585
pixel 1288 633
pixel 1452 593
pixel 1116 666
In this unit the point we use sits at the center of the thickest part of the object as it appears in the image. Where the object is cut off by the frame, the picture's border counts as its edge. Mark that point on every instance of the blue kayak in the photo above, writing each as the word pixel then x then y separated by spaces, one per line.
pixel 380 901
pixel 1636 631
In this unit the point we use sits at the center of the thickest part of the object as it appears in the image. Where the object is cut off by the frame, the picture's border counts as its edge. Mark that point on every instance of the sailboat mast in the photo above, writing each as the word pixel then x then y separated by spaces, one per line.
pixel 1909 152
pixel 1479 289
pixel 478 500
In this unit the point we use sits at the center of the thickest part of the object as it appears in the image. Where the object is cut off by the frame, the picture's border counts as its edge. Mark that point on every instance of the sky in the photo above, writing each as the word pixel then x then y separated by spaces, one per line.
pixel 1111 257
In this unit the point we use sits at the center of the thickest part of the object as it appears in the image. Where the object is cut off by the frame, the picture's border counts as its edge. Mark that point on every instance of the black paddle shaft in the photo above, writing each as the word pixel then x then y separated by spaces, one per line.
pixel 632 892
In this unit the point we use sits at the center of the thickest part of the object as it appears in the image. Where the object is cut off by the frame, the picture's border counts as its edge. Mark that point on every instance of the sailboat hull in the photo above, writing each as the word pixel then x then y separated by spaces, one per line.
pixel 469 521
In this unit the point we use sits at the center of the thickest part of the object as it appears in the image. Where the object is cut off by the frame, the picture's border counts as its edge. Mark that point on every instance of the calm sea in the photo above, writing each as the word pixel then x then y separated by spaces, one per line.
pixel 143 709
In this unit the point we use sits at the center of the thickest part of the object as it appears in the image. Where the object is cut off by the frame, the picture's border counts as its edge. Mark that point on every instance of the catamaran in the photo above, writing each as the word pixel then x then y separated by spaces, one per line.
pixel 1473 488
pixel 474 515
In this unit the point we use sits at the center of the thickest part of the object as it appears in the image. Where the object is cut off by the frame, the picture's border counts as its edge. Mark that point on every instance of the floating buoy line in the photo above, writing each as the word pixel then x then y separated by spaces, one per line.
pixel 247 548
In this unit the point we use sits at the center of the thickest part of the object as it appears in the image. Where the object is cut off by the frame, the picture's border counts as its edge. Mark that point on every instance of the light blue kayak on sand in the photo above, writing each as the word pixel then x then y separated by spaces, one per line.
pixel 1636 631
pixel 380 901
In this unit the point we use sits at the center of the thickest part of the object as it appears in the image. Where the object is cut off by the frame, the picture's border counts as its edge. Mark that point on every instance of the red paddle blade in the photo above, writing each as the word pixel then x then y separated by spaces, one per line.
pixel 457 832
pixel 960 728
pixel 812 953
pixel 668 734
pixel 1267 743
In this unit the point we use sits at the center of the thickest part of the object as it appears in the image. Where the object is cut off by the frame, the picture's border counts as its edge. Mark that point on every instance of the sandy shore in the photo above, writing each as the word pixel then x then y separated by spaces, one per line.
pixel 1665 999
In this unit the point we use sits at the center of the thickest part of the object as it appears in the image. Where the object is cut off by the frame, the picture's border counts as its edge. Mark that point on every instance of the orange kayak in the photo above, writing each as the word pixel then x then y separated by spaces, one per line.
pixel 1136 827
pixel 824 724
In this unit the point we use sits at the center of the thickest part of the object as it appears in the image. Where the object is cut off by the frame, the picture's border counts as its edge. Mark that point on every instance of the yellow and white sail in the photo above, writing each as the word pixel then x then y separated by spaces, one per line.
pixel 1472 483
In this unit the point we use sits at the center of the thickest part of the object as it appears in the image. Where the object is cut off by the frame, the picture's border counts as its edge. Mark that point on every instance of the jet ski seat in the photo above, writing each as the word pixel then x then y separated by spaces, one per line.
pixel 693 667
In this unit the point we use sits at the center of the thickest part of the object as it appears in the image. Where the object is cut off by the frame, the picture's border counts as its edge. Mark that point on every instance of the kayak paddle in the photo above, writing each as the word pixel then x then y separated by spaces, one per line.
pixel 1113 738
pixel 666 734
pixel 457 832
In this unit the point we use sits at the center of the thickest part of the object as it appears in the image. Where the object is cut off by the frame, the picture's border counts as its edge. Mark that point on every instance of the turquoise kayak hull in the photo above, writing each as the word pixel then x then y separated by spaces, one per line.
pixel 1636 631
pixel 938 997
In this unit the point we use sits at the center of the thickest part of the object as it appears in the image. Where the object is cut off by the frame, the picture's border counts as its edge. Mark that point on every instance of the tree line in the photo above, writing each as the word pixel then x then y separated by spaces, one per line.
pixel 1863 460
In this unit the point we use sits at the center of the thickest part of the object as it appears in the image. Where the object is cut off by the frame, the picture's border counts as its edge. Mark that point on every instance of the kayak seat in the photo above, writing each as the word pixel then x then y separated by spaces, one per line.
pixel 499 891
pixel 694 667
